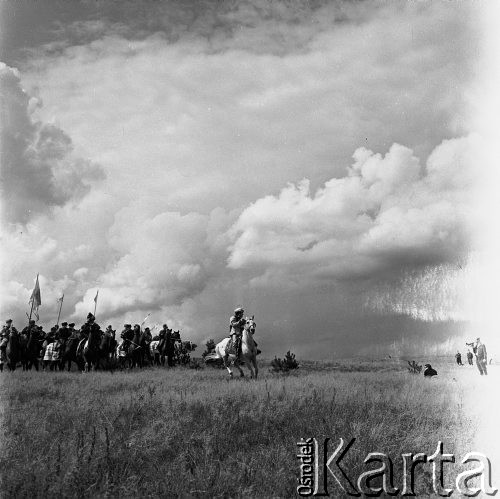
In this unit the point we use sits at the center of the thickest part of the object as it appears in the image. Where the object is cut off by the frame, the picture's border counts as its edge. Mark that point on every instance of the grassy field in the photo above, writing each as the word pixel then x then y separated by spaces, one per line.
pixel 195 433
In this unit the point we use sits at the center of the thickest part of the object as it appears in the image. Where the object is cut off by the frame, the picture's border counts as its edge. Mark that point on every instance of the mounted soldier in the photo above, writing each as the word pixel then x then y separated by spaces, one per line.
pixel 127 335
pixel 29 328
pixel 31 344
pixel 90 326
pixel 64 332
pixel 72 330
pixel 236 324
pixel 8 328
pixel 144 342
pixel 26 335
pixel 91 348
pixel 135 348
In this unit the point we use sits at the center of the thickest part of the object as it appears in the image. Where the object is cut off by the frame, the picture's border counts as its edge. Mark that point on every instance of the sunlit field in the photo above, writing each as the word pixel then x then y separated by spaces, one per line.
pixel 186 432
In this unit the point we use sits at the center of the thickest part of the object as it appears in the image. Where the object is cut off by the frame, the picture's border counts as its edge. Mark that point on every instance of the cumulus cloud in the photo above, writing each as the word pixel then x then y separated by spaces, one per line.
pixel 163 260
pixel 200 114
pixel 388 213
pixel 39 171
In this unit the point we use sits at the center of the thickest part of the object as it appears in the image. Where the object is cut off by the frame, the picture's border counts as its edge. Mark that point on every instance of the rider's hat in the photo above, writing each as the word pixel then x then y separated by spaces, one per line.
pixel 8 321
pixel 238 310
pixel 90 315
pixel 71 324
pixel 64 323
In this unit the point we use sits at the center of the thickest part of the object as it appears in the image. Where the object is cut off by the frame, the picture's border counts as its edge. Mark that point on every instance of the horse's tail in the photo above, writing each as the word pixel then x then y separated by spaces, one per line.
pixel 211 356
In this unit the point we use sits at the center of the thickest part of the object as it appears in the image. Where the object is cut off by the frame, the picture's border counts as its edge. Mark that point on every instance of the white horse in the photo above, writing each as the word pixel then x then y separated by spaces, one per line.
pixel 248 355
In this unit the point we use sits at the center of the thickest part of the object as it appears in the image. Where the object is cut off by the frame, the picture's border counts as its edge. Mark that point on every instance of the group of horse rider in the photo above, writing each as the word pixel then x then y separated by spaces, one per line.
pixel 63 344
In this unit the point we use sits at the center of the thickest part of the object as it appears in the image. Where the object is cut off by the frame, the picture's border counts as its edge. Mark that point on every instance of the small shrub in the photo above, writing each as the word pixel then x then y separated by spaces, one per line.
pixel 285 365
pixel 196 364
pixel 415 367
pixel 181 355
pixel 210 348
pixel 210 345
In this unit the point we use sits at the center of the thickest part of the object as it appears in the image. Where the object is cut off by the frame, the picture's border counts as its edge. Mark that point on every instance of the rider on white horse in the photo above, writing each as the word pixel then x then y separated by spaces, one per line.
pixel 236 325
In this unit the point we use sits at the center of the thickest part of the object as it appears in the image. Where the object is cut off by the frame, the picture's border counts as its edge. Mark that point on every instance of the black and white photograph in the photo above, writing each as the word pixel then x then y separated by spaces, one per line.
pixel 249 248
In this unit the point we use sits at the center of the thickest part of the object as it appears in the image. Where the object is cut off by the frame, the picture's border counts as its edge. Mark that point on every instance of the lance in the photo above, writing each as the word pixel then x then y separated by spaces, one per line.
pixel 32 299
pixel 95 302
pixel 60 308
pixel 145 319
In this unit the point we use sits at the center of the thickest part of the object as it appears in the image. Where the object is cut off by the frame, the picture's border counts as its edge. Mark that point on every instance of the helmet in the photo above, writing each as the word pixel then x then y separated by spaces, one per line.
pixel 238 310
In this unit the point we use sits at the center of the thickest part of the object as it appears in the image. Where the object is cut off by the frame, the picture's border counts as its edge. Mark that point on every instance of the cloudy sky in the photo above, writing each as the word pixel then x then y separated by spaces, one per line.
pixel 313 162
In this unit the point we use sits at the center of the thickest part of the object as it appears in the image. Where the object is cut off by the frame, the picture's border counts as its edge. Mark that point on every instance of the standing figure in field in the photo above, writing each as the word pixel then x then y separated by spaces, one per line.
pixel 481 357
pixel 48 349
pixel 122 356
pixel 56 354
pixel 470 357
pixel 458 356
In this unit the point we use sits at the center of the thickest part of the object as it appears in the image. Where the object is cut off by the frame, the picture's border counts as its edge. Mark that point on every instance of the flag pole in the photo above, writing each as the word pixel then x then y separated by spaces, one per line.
pixel 33 301
pixel 95 302
pixel 60 308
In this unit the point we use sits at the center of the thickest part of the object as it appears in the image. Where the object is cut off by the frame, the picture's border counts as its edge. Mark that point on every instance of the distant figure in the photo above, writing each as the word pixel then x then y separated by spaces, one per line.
pixel 470 357
pixel 481 357
pixel 458 356
pixel 429 371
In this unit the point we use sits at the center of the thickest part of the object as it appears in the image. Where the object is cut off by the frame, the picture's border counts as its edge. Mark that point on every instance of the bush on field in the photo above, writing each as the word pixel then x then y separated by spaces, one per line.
pixel 285 365
pixel 210 345
pixel 210 348
pixel 196 364
pixel 182 352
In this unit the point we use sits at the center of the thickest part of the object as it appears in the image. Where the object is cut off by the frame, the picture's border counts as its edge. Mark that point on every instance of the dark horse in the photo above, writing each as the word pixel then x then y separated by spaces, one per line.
pixel 91 349
pixel 13 350
pixel 135 349
pixel 98 350
pixel 32 350
pixel 167 347
pixel 70 354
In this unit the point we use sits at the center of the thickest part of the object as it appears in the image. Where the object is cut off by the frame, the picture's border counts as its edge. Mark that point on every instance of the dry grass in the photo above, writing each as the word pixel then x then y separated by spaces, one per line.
pixel 195 433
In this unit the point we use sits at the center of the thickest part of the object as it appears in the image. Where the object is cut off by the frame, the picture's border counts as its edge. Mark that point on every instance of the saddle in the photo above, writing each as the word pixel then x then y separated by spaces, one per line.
pixel 232 347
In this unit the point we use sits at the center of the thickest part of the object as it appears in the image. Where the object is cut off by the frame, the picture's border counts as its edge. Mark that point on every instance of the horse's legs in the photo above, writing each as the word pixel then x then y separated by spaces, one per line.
pixel 242 374
pixel 227 366
pixel 256 369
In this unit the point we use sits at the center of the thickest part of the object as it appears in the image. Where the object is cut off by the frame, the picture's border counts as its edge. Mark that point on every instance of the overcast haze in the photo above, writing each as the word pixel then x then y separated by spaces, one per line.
pixel 313 162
